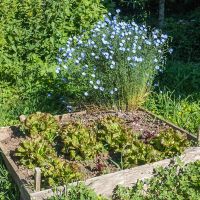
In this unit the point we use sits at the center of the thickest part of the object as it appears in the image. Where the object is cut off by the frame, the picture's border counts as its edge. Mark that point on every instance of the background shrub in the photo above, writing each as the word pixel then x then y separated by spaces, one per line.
pixel 30 34
pixel 186 36
pixel 37 28
pixel 181 78
pixel 130 8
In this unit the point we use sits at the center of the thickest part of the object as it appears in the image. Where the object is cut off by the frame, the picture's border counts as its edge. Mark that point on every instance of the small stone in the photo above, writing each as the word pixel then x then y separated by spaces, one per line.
pixel 22 118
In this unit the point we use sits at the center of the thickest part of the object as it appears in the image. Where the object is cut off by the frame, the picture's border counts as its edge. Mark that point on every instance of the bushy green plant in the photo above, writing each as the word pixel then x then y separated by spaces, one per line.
pixel 170 143
pixel 35 29
pixel 79 191
pixel 116 65
pixel 185 36
pixel 77 140
pixel 112 132
pixel 30 96
pixel 8 100
pixel 33 153
pixel 31 33
pixel 138 153
pixel 176 182
pixel 182 78
pixel 58 172
pixel 124 143
pixel 41 124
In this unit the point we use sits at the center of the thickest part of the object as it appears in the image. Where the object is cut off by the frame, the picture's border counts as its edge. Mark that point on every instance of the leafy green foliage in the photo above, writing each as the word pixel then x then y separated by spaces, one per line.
pixel 116 137
pixel 41 124
pixel 42 129
pixel 176 182
pixel 138 153
pixel 183 112
pixel 79 191
pixel 35 29
pixel 107 136
pixel 169 144
pixel 31 33
pixel 112 132
pixel 33 153
pixel 8 99
pixel 182 78
pixel 58 172
pixel 104 135
pixel 8 190
pixel 185 33
pixel 77 140
pixel 120 140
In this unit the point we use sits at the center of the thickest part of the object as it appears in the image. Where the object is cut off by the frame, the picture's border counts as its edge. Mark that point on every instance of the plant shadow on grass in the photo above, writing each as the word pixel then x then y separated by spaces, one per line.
pixel 183 79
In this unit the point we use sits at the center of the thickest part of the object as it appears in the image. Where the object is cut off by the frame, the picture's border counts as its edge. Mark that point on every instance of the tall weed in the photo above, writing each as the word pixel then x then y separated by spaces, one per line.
pixel 183 112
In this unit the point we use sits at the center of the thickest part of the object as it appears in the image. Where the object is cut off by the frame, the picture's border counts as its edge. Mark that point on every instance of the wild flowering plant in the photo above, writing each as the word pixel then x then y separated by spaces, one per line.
pixel 116 64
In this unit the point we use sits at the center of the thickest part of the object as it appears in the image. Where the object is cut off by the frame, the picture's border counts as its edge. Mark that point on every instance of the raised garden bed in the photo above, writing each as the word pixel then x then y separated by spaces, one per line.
pixel 145 125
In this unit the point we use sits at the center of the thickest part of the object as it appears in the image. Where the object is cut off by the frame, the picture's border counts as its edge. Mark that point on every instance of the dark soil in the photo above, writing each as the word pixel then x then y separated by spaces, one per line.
pixel 139 121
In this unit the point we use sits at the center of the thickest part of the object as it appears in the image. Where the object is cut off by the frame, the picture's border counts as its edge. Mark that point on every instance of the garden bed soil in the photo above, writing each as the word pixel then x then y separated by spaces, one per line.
pixel 140 121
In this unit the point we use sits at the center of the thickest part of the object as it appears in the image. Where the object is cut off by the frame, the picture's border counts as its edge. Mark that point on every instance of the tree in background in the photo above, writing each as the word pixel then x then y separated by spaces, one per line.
pixel 161 16
pixel 141 10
